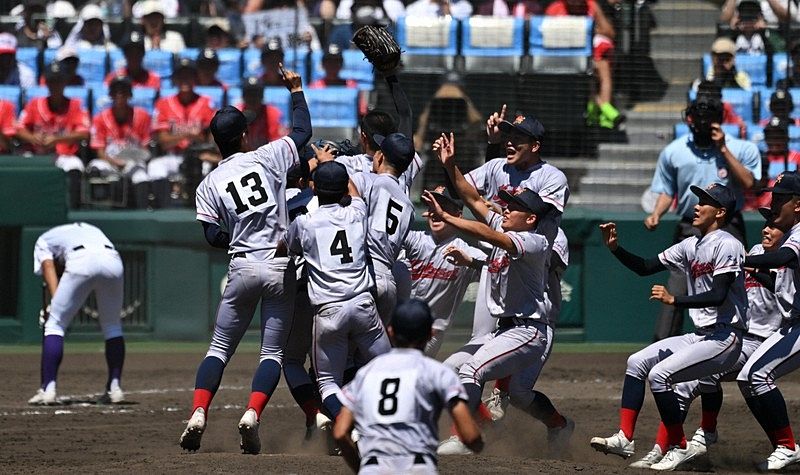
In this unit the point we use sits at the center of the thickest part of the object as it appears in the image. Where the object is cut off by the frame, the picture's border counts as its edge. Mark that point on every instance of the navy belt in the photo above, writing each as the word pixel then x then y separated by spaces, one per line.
pixel 756 337
pixel 419 459
pixel 238 254
pixel 509 322
pixel 78 248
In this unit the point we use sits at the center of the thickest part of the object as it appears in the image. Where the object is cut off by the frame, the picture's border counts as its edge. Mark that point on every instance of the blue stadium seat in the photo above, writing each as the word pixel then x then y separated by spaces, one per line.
pixel 681 128
pixel 275 96
pixel 116 59
pixel 739 99
pixel 779 65
pixel 159 61
pixel 553 50
pixel 756 134
pixel 73 92
pixel 491 44
pixel 92 65
pixel 12 94
pixel 293 59
pixel 29 56
pixel 755 65
pixel 216 94
pixel 428 43
pixel 143 97
pixel 356 67
pixel 334 106
pixel 766 93
pixel 230 66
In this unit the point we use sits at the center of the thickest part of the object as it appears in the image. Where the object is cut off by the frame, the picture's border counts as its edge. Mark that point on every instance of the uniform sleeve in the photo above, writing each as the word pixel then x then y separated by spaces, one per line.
pixel 477 177
pixel 7 126
pixel 412 171
pixel 161 116
pixel 347 161
pixel 674 257
pixel 99 135
pixel 281 153
pixel 41 253
pixel 27 117
pixel 555 190
pixel 526 243
pixel 206 208
pixel 561 247
pixel 750 157
pixel 143 129
pixel 448 385
pixel 664 177
pixel 79 117
pixel 293 235
pixel 411 244
pixel 494 220
pixel 362 183
pixel 359 206
pixel 793 243
pixel 728 257
pixel 350 394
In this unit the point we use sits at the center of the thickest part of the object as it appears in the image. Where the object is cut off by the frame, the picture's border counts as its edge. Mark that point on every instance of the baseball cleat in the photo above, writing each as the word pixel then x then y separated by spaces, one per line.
pixel 497 404
pixel 782 457
pixel 675 457
pixel 44 398
pixel 701 440
pixel 190 439
pixel 325 426
pixel 114 396
pixel 453 446
pixel 617 444
pixel 248 433
pixel 652 457
pixel 558 438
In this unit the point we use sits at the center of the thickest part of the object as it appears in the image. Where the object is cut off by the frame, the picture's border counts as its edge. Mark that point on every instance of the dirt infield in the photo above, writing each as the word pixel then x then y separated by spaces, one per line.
pixel 142 436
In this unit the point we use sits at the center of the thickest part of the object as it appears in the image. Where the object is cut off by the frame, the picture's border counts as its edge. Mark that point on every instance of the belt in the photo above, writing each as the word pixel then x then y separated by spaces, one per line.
pixel 756 337
pixel 419 459
pixel 78 248
pixel 509 322
pixel 238 254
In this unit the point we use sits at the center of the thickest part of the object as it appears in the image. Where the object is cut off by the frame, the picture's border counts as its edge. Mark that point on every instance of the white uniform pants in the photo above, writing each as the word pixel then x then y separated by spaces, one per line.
pixel 398 464
pixel 779 355
pixel 88 270
pixel 161 168
pixel 69 163
pixel 385 295
pixel 135 171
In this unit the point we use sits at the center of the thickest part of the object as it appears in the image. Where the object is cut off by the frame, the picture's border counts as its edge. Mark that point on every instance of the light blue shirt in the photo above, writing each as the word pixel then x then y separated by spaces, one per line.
pixel 681 165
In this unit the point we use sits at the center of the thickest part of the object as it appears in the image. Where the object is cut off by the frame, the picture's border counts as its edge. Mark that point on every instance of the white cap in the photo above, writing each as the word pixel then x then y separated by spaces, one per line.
pixel 146 7
pixel 66 52
pixel 61 9
pixel 8 43
pixel 91 12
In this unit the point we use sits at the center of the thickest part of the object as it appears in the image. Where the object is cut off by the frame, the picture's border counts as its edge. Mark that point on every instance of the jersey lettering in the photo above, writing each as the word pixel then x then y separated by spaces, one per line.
pixel 247 193
pixel 339 247
pixel 392 221
pixel 334 248
pixel 390 397
pixel 388 403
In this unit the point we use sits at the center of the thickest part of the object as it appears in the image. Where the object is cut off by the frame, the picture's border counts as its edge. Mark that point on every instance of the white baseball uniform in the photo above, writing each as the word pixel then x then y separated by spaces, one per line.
pixel 91 264
pixel 333 241
pixel 396 401
pixel 363 164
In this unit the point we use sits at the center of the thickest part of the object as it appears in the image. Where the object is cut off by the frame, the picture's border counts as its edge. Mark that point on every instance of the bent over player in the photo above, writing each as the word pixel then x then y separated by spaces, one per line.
pixel 90 264
pixel 242 206
pixel 396 399
pixel 717 305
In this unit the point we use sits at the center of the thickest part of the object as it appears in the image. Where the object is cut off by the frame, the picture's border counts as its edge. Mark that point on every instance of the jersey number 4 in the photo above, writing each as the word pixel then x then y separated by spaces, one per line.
pixel 387 405
pixel 340 247
pixel 258 194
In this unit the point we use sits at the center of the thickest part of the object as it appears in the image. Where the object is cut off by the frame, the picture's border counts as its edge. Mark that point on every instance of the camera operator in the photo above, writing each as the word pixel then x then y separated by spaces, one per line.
pixel 706 155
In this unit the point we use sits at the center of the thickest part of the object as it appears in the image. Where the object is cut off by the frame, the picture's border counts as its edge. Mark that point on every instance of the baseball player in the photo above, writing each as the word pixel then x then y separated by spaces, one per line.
pixel 779 354
pixel 717 304
pixel 434 278
pixel 390 214
pixel 90 264
pixel 396 399
pixel 332 240
pixel 764 318
pixel 246 196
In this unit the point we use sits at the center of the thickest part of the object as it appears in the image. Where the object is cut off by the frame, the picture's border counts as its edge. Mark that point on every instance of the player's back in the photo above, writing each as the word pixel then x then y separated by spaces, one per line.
pixel 363 164
pixel 67 237
pixel 397 399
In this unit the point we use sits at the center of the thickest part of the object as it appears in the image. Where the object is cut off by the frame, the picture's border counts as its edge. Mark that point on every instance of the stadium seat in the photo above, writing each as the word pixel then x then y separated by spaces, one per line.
pixel 681 128
pixel 230 66
pixel 275 96
pixel 216 94
pixel 116 59
pixel 491 44
pixel 73 92
pixel 29 56
pixel 428 44
pixel 560 45
pixel 334 107
pixel 294 59
pixel 757 135
pixel 159 61
pixel 755 65
pixel 356 67
pixel 143 97
pixel 92 66
pixel 12 94
pixel 766 94
pixel 739 99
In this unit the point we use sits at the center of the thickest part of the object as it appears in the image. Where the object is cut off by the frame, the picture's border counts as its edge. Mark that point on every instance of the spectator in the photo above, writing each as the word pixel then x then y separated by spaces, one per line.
pixel 458 9
pixel 729 116
pixel 600 111
pixel 792 78
pixel 13 73
pixel 451 88
pixel 332 63
pixel 34 29
pixel 778 159
pixel 704 156
pixel 179 121
pixel 774 11
pixel 90 31
pixel 266 119
pixel 69 60
pixel 723 71
pixel 781 105
pixel 218 36
pixel 133 49
pixel 168 8
pixel 504 8
pixel 750 31
pixel 207 67
pixel 8 125
pixel 348 10
pixel 56 124
pixel 156 35
pixel 271 56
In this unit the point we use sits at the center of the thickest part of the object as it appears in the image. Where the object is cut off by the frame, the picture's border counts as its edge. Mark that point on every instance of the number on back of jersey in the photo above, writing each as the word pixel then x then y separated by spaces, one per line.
pixel 387 214
pixel 340 247
pixel 246 193
pixel 390 396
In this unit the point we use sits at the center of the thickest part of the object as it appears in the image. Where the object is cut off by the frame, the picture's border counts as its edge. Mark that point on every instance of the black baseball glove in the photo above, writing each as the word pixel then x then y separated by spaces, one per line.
pixel 379 47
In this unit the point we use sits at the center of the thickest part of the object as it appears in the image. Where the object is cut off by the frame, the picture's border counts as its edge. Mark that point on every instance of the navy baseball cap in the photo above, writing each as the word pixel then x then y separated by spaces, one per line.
pixel 787 183
pixel 120 83
pixel 528 126
pixel 54 73
pixel 185 65
pixel 207 57
pixel 397 148
pixel 766 213
pixel 528 199
pixel 446 200
pixel 229 123
pixel 718 194
pixel 331 177
pixel 134 40
pixel 412 320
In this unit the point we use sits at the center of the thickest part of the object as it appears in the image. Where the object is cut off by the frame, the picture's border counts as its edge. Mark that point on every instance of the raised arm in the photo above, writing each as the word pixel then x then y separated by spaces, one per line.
pixel 494 147
pixel 444 146
pixel 713 297
pixel 476 229
pixel 401 105
pixel 637 264
pixel 783 257
pixel 301 119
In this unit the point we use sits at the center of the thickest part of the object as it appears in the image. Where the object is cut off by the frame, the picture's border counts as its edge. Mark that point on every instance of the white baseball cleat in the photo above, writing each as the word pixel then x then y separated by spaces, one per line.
pixel 113 396
pixel 44 398
pixel 782 457
pixel 248 433
pixel 453 446
pixel 497 404
pixel 652 457
pixel 558 438
pixel 325 426
pixel 701 440
pixel 675 457
pixel 190 439
pixel 616 444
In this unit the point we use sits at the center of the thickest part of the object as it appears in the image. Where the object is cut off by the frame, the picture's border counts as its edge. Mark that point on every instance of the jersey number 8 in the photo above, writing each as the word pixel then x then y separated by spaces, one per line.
pixel 387 405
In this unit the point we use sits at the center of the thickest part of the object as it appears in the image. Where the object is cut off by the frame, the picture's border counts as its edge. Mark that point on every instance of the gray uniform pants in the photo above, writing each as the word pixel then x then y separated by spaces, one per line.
pixel 779 355
pixel 405 464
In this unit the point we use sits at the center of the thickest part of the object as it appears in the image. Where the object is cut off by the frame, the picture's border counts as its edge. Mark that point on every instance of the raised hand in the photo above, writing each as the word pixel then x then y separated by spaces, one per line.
pixel 434 209
pixel 609 231
pixel 324 154
pixel 292 80
pixel 660 293
pixel 457 256
pixel 445 148
pixel 493 125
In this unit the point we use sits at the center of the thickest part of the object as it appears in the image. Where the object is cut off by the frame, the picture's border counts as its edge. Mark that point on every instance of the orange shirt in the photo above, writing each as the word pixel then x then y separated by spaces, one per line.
pixel 8 114
pixel 38 118
pixel 106 131
pixel 559 8
pixel 153 80
pixel 173 117
pixel 265 128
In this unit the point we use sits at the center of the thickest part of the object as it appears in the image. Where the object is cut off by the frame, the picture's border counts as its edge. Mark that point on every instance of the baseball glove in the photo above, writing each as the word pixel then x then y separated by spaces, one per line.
pixel 379 47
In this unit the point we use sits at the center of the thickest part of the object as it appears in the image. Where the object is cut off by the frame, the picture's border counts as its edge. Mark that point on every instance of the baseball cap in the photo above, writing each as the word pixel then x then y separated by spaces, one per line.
pixel 120 82
pixel 718 194
pixel 781 98
pixel 397 148
pixel 253 85
pixel 134 40
pixel 228 124
pixel 723 45
pixel 526 198
pixel 749 10
pixel 707 106
pixel 207 57
pixel 66 52
pixel 333 53
pixel 185 65
pixel 331 177
pixel 147 7
pixel 273 47
pixel 528 126
pixel 91 12
pixel 766 213
pixel 776 128
pixel 787 183
pixel 54 73
pixel 412 320
pixel 445 199
pixel 8 43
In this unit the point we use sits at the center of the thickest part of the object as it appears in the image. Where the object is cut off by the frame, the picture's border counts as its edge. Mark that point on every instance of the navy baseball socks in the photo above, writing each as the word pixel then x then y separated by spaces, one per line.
pixel 264 383
pixel 52 354
pixel 307 399
pixel 115 358
pixel 769 410
pixel 209 375
pixel 631 404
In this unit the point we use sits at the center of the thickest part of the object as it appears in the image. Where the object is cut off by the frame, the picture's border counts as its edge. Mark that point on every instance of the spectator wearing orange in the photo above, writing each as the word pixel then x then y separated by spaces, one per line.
pixel 505 8
pixel 8 125
pixel 133 49
pixel 600 110
pixel 266 119
pixel 332 63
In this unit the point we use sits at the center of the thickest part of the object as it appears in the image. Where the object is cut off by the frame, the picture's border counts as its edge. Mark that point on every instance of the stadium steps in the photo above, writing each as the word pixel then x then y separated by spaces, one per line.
pixel 609 170
pixel 606 201
pixel 678 67
pixel 685 13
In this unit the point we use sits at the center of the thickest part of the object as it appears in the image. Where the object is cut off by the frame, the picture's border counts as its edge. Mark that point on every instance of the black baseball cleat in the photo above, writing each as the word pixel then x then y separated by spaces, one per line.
pixel 190 439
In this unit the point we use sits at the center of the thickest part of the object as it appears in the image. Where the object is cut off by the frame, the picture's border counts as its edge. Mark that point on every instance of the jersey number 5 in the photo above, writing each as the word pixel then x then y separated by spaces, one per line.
pixel 388 402
pixel 340 247
pixel 258 197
